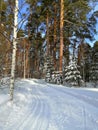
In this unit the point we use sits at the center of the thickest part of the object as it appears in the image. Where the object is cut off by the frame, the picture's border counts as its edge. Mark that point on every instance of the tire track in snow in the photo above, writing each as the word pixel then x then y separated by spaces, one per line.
pixel 78 96
pixel 52 106
pixel 33 105
pixel 29 108
pixel 37 116
pixel 36 119
pixel 15 121
pixel 53 100
pixel 21 122
pixel 88 115
pixel 6 111
pixel 28 118
pixel 41 122
pixel 45 123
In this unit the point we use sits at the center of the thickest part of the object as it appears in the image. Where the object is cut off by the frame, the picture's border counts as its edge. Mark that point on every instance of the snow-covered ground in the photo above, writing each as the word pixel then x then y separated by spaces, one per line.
pixel 41 106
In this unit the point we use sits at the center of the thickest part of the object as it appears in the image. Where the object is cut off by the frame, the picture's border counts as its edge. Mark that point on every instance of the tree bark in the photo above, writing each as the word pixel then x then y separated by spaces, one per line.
pixel 61 33
pixel 12 80
pixel 24 73
pixel 47 35
pixel 55 36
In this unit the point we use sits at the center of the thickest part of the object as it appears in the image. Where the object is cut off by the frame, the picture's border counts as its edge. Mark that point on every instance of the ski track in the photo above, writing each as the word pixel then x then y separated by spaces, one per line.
pixel 85 112
pixel 47 109
pixel 23 122
pixel 84 98
pixel 6 112
pixel 34 120
pixel 29 120
pixel 42 120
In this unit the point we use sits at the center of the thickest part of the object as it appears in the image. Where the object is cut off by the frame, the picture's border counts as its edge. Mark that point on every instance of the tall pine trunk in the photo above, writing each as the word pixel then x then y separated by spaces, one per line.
pixel 55 35
pixel 12 80
pixel 47 35
pixel 61 33
pixel 24 72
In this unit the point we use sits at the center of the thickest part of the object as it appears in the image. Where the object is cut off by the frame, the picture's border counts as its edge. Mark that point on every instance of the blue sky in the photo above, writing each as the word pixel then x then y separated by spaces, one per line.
pixel 96 8
pixel 25 6
pixel 22 10
pixel 94 5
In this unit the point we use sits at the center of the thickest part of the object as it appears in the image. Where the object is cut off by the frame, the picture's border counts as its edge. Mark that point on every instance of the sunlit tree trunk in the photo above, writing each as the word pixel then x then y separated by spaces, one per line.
pixel 61 33
pixel 6 65
pixel 17 62
pixel 24 73
pixel 28 60
pixel 14 50
pixel 74 50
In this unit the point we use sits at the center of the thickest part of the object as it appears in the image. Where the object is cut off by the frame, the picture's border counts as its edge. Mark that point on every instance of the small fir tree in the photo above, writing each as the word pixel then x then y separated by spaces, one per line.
pixel 72 74
pixel 94 70
pixel 57 77
pixel 49 67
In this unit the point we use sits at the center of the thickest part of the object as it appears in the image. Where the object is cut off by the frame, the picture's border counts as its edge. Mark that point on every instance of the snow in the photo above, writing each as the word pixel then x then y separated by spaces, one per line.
pixel 41 106
pixel 3 98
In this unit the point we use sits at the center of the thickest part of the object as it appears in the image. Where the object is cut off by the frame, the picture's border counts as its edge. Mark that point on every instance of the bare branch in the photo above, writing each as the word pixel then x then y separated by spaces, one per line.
pixel 5 36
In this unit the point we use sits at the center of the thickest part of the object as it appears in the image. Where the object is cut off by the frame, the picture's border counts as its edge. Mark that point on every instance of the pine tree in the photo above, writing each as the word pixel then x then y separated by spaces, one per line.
pixel 84 60
pixel 57 77
pixel 61 33
pixel 49 69
pixel 72 74
pixel 94 65
pixel 94 73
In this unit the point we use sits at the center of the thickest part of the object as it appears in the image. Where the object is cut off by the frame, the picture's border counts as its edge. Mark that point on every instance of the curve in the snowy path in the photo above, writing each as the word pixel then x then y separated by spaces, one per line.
pixel 44 111
pixel 78 96
pixel 86 113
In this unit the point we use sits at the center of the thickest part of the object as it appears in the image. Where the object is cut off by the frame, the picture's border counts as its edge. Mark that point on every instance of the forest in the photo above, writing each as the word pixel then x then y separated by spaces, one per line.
pixel 49 39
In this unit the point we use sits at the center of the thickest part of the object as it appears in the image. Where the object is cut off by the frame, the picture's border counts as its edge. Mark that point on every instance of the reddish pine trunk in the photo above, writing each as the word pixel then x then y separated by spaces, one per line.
pixel 47 35
pixel 61 33
pixel 55 36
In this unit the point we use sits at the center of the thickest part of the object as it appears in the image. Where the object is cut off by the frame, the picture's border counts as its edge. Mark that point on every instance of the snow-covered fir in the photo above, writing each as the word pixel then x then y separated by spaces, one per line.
pixel 52 76
pixel 57 77
pixel 49 68
pixel 94 70
pixel 72 74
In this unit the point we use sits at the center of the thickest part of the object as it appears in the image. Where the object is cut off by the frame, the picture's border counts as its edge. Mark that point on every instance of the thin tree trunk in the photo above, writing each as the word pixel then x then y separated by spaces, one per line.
pixel 14 50
pixel 17 62
pixel 6 64
pixel 28 60
pixel 0 9
pixel 55 36
pixel 61 33
pixel 47 35
pixel 74 50
pixel 27 63
pixel 24 59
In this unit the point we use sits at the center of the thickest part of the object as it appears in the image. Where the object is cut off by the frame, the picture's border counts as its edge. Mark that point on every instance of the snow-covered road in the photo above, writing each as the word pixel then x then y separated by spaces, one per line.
pixel 41 106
